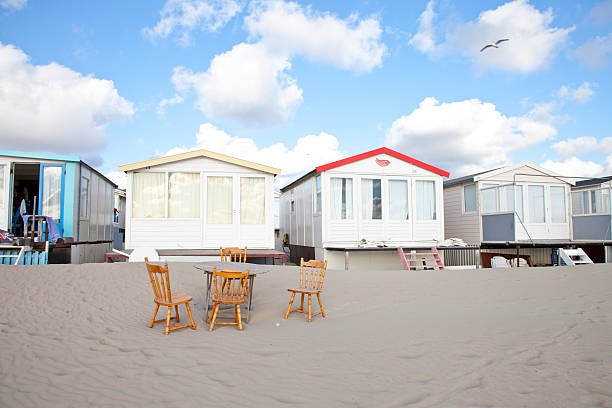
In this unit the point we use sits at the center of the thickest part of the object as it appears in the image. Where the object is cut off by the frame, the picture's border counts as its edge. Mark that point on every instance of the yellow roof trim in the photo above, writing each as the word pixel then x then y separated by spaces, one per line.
pixel 198 153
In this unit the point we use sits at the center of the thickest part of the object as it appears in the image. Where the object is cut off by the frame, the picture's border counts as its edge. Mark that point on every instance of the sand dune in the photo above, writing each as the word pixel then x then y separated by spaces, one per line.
pixel 77 335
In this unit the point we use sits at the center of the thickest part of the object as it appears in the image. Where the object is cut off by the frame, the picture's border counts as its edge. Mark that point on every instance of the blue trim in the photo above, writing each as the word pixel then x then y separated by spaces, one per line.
pixel 60 222
pixel 69 199
pixel 42 156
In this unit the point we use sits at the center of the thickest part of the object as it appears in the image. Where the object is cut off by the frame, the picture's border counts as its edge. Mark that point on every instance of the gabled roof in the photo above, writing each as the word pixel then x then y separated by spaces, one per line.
pixel 494 172
pixel 382 150
pixel 198 153
pixel 352 159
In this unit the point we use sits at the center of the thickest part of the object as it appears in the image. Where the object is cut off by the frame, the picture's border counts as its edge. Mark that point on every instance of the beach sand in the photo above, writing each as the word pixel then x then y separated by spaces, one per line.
pixel 78 335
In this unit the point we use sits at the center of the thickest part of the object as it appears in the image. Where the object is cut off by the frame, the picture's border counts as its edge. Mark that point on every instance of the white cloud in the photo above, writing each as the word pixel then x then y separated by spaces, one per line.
pixel 425 40
pixel 582 94
pixel 574 167
pixel 246 83
pixel 465 136
pixel 181 17
pixel 118 177
pixel 605 145
pixel 53 108
pixel 574 147
pixel 252 81
pixel 308 152
pixel 289 29
pixel 161 107
pixel 533 44
pixel 595 52
pixel 13 4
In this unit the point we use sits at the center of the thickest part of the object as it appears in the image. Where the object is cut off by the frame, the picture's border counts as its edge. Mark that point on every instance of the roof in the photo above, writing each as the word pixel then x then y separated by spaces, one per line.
pixel 499 170
pixel 593 181
pixel 352 159
pixel 56 157
pixel 198 153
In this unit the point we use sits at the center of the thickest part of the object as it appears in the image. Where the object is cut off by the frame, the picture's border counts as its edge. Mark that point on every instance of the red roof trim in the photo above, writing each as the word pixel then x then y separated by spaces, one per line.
pixel 382 150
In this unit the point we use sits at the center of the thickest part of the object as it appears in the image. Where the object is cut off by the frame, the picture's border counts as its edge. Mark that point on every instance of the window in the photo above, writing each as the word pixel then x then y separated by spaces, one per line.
pixel 84 197
pixel 557 204
pixel 489 198
pixel 371 199
pixel 52 191
pixel 2 191
pixel 398 199
pixel 600 201
pixel 318 194
pixel 469 198
pixel 149 195
pixel 519 202
pixel 219 204
pixel 536 203
pixel 591 202
pixel 426 200
pixel 341 198
pixel 184 195
pixel 252 200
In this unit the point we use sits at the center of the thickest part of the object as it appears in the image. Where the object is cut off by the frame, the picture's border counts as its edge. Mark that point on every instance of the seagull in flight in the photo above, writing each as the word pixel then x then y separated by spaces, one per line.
pixel 496 45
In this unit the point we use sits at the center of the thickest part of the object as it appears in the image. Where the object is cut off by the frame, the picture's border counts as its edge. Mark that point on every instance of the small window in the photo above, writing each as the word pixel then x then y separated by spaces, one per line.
pixel 536 204
pixel 557 204
pixel 252 200
pixel 84 197
pixel 489 198
pixel 469 198
pixel 426 200
pixel 371 199
pixel 184 195
pixel 341 198
pixel 219 205
pixel 318 194
pixel 398 199
pixel 148 200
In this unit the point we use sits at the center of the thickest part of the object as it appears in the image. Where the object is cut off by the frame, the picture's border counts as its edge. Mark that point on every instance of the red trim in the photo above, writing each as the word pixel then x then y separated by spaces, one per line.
pixel 382 150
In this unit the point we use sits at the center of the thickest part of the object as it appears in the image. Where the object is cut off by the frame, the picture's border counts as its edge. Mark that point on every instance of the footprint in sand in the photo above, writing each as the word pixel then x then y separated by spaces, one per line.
pixel 469 354
pixel 223 379
pixel 589 359
pixel 272 352
pixel 289 399
pixel 409 399
pixel 523 390
pixel 407 355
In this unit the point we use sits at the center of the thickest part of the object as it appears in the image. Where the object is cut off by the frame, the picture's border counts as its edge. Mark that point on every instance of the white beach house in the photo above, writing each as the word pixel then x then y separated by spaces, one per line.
pixel 520 205
pixel 199 200
pixel 359 209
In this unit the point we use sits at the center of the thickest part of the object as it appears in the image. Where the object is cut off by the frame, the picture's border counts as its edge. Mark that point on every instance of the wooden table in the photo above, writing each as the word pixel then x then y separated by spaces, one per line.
pixel 254 270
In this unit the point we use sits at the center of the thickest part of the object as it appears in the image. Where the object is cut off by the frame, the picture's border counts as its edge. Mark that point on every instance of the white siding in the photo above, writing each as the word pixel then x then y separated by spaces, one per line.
pixel 457 224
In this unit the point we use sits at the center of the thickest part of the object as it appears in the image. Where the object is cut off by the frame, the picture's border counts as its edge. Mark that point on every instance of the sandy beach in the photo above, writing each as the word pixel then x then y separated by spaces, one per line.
pixel 78 335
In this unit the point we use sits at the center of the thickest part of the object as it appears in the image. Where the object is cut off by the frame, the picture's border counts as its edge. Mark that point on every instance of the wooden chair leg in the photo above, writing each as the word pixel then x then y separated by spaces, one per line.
pixel 320 304
pixel 168 319
pixel 177 315
pixel 302 303
pixel 238 317
pixel 213 316
pixel 309 309
pixel 154 314
pixel 290 303
pixel 193 326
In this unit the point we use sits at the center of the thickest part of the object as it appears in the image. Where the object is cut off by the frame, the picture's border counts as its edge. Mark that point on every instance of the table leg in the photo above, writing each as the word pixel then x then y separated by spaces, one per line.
pixel 206 294
pixel 251 280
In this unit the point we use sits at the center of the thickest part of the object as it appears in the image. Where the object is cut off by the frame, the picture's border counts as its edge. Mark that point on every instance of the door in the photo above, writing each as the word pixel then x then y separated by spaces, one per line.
pixel 51 193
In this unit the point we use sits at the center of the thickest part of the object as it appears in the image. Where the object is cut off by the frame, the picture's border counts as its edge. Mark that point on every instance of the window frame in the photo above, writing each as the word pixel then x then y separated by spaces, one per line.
pixel 475 211
pixel 436 214
pixel 353 179
pixel 409 205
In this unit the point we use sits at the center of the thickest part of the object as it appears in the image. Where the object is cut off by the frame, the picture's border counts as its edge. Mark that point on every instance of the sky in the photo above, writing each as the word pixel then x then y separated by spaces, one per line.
pixel 298 84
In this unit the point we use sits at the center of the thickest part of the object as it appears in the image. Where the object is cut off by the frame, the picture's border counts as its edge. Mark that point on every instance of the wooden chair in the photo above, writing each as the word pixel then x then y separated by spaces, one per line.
pixel 229 288
pixel 160 280
pixel 312 274
pixel 233 254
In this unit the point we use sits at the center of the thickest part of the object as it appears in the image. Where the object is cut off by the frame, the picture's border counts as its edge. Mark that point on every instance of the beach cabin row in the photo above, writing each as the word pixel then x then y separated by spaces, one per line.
pixel 76 196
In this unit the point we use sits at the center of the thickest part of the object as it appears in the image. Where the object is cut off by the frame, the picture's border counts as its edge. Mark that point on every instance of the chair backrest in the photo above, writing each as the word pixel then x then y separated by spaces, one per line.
pixel 160 280
pixel 229 285
pixel 233 254
pixel 312 274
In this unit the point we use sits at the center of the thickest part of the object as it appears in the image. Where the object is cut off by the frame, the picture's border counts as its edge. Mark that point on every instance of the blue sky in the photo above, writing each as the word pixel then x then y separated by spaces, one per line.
pixel 295 85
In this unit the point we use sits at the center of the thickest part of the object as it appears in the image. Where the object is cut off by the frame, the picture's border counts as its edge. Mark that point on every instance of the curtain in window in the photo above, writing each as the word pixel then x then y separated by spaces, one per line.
pixel 184 195
pixel 536 203
pixel 341 198
pixel 84 197
pixel 252 200
pixel 219 192
pixel 52 192
pixel 425 200
pixel 605 201
pixel 149 195
pixel 469 198
pixel 367 199
pixel 557 204
pixel 398 199
pixel 489 198
pixel 519 202
pixel 577 203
